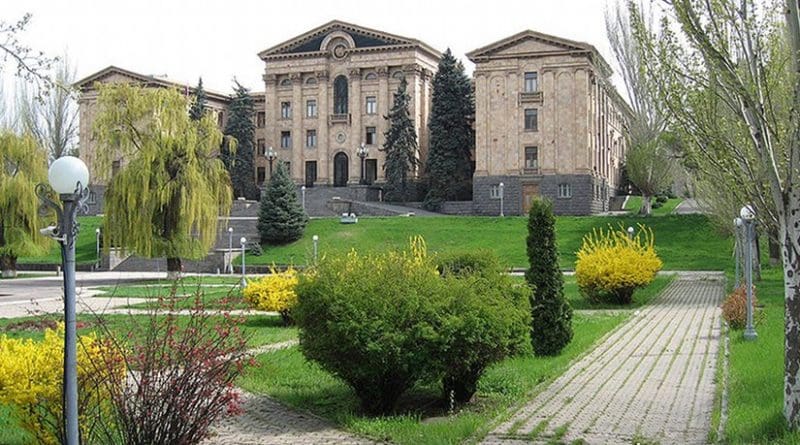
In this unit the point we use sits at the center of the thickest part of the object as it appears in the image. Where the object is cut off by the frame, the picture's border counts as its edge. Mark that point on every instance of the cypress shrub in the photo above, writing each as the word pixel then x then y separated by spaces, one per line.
pixel 551 327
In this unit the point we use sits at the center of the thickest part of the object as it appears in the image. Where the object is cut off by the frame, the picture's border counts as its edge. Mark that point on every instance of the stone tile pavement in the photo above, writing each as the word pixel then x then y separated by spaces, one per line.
pixel 652 378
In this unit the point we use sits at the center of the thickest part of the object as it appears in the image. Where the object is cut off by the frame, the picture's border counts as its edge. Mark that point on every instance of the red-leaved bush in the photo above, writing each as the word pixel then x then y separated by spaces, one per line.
pixel 734 308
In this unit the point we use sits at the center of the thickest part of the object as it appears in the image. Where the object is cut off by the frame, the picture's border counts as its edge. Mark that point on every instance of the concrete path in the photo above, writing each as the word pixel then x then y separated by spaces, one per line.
pixel 688 206
pixel 652 378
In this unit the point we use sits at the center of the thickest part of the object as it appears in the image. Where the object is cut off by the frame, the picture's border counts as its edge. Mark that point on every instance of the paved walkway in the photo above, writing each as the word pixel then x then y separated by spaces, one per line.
pixel 652 378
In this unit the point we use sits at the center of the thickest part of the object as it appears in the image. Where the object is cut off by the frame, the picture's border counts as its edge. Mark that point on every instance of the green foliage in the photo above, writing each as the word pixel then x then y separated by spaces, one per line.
pixel 281 218
pixel 551 328
pixel 166 198
pixel 240 163
pixel 449 167
pixel 23 164
pixel 198 108
pixel 472 262
pixel 400 147
pixel 384 322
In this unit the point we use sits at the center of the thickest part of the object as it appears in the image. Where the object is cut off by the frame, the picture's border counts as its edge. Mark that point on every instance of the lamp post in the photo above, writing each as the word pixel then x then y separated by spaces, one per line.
pixel 749 218
pixel 69 177
pixel 630 232
pixel 243 282
pixel 303 193
pixel 362 153
pixel 502 189
pixel 737 248
pixel 97 247
pixel 315 238
pixel 271 156
pixel 229 266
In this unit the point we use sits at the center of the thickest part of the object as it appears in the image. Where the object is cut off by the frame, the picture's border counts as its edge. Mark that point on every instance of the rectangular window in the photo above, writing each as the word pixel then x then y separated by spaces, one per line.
pixel 311 138
pixel 311 173
pixel 288 167
pixel 261 119
pixel 286 139
pixel 261 175
pixel 531 119
pixel 371 170
pixel 286 110
pixel 531 158
pixel 531 82
pixel 371 136
pixel 220 119
pixel 311 108
pixel 494 192
pixel 372 105
pixel 115 165
pixel 261 146
pixel 565 190
pixel 92 199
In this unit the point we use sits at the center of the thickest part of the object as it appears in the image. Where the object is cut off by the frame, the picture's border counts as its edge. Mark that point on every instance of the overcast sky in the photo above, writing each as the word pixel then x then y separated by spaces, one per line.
pixel 220 39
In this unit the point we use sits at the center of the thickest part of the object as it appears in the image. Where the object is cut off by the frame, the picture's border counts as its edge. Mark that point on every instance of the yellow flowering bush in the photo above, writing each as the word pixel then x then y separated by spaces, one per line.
pixel 31 375
pixel 274 292
pixel 611 265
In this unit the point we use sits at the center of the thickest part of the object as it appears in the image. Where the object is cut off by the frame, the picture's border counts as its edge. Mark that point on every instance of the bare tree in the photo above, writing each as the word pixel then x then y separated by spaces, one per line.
pixel 53 120
pixel 729 72
pixel 31 66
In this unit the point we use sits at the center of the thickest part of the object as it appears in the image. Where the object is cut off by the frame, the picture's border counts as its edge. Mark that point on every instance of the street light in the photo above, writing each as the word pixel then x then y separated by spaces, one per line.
pixel 748 216
pixel 229 266
pixel 362 153
pixel 737 247
pixel 630 232
pixel 69 177
pixel 271 156
pixel 243 282
pixel 315 238
pixel 303 192
pixel 97 246
pixel 502 188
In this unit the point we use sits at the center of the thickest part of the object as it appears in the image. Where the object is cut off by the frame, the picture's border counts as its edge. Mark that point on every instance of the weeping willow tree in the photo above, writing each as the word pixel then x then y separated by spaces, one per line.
pixel 165 199
pixel 23 164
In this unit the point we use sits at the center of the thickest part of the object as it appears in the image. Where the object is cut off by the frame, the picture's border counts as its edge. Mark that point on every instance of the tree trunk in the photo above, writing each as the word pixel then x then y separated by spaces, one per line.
pixel 791 376
pixel 8 265
pixel 774 248
pixel 756 255
pixel 646 208
pixel 174 268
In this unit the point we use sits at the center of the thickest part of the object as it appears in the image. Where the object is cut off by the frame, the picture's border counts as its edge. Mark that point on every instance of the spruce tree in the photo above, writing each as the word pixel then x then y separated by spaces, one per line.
pixel 400 146
pixel 281 218
pixel 239 162
pixel 551 325
pixel 198 108
pixel 449 164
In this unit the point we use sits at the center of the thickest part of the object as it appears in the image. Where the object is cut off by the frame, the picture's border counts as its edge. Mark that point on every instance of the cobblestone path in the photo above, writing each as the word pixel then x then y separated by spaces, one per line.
pixel 652 378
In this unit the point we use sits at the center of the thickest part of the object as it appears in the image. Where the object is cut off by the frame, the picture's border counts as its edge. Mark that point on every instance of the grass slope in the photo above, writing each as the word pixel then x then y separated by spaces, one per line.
pixel 85 245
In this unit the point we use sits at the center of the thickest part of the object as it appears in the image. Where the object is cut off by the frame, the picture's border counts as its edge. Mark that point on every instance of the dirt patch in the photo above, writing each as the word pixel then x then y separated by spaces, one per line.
pixel 39 325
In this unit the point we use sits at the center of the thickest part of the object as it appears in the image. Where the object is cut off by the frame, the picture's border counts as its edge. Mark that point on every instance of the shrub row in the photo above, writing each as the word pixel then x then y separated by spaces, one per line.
pixel 384 322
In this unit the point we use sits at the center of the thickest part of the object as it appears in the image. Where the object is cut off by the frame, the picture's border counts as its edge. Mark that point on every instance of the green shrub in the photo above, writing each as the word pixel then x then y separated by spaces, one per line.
pixel 383 322
pixel 551 327
pixel 481 262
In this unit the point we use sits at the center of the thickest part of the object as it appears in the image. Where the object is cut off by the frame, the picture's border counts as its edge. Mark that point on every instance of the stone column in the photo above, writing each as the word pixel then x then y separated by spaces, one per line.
pixel 271 110
pixel 385 102
pixel 356 130
pixel 511 162
pixel 481 124
pixel 298 135
pixel 324 161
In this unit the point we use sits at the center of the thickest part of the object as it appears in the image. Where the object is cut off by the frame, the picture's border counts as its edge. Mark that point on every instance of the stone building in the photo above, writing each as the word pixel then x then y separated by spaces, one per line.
pixel 548 122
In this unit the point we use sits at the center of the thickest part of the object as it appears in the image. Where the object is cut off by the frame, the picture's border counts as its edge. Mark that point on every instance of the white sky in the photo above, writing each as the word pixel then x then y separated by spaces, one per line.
pixel 219 39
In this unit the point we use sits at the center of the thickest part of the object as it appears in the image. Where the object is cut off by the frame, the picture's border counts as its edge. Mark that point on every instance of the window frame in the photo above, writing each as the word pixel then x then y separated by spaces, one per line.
pixel 286 110
pixel 286 139
pixel 311 136
pixel 373 140
pixel 535 119
pixel 564 190
pixel 534 82
pixel 371 106
pixel 311 105
pixel 535 150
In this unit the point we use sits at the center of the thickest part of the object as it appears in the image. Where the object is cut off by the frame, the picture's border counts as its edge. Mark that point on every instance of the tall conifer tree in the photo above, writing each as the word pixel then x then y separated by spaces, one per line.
pixel 240 126
pixel 400 147
pixel 449 164
pixel 281 218
pixel 198 107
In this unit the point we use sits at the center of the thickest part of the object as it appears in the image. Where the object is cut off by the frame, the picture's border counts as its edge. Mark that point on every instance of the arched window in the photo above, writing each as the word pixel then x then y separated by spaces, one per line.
pixel 340 95
pixel 286 82
pixel 311 81
pixel 398 75
pixel 371 76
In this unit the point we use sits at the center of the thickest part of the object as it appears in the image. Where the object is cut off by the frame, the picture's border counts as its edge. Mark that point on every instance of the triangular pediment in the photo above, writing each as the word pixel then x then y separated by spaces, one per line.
pixel 313 41
pixel 113 74
pixel 528 43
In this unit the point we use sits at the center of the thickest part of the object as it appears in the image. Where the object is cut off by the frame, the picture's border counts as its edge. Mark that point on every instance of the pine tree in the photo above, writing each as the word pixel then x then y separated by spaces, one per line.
pixel 551 325
pixel 400 147
pixel 198 108
pixel 240 126
pixel 449 166
pixel 281 218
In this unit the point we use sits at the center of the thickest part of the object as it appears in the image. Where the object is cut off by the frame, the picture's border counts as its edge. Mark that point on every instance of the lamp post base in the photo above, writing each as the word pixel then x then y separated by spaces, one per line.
pixel 750 334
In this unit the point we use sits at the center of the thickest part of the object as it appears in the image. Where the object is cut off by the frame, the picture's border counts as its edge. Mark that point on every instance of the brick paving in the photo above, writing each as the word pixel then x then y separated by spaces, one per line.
pixel 651 379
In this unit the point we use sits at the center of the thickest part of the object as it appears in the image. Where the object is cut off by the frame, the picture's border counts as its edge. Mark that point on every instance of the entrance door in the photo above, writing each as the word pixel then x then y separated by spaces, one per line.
pixel 529 193
pixel 340 173
pixel 311 173
pixel 372 170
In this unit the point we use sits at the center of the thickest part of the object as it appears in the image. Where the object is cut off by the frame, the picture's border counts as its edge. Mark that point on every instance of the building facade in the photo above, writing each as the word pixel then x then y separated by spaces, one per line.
pixel 548 122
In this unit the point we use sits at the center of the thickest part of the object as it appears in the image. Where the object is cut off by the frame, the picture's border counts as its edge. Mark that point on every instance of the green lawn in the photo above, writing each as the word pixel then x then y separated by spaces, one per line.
pixel 287 376
pixel 635 203
pixel 684 242
pixel 85 246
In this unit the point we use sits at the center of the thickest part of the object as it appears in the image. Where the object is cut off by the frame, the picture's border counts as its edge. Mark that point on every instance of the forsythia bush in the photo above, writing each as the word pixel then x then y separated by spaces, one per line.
pixel 734 308
pixel 31 378
pixel 611 265
pixel 274 292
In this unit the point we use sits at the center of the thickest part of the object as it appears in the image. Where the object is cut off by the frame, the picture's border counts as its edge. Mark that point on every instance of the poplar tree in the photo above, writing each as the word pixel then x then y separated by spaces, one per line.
pixel 198 108
pixel 281 218
pixel 400 147
pixel 240 163
pixel 165 199
pixel 449 164
pixel 23 165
